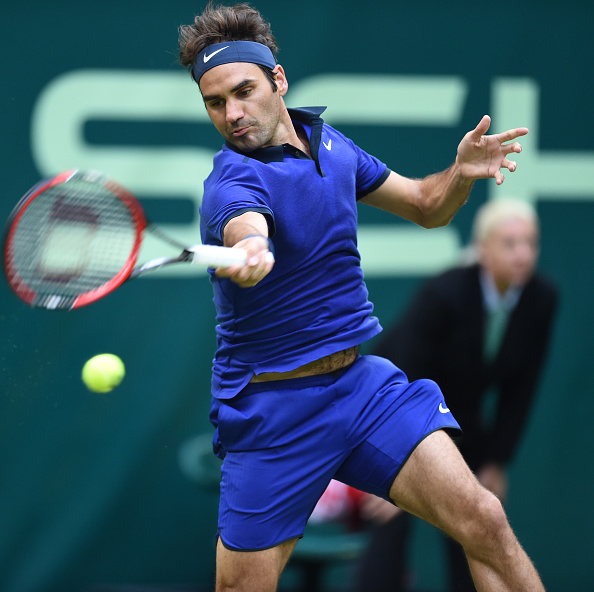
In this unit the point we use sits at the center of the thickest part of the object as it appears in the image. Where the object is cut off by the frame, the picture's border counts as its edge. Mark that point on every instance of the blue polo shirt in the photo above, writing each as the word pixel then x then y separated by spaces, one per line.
pixel 314 302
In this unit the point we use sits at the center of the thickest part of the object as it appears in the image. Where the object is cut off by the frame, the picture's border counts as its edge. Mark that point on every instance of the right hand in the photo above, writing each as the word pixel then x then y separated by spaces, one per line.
pixel 260 262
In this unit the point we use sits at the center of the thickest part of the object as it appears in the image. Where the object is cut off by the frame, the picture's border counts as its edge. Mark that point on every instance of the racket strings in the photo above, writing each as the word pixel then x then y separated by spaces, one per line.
pixel 72 239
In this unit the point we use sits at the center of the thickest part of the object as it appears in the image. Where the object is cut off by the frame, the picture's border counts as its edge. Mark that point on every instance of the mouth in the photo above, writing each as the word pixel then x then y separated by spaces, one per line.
pixel 237 133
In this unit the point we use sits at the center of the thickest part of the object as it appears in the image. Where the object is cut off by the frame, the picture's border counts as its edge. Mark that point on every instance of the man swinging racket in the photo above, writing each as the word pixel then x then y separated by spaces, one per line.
pixel 294 404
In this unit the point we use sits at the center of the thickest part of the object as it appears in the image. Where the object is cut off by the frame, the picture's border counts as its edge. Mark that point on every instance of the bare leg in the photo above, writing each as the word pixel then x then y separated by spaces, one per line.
pixel 437 485
pixel 251 571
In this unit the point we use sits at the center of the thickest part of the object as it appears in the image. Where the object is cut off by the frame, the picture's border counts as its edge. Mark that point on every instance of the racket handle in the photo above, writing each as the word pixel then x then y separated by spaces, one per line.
pixel 213 256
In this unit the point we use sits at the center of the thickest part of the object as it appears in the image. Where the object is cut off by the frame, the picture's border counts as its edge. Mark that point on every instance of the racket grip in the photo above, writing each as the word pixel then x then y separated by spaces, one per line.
pixel 213 256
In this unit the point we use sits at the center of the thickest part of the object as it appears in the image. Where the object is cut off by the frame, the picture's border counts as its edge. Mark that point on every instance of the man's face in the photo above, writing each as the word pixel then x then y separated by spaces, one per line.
pixel 510 252
pixel 242 105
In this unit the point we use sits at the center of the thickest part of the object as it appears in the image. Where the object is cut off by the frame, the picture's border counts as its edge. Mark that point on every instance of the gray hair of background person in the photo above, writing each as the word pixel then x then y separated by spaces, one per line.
pixel 490 216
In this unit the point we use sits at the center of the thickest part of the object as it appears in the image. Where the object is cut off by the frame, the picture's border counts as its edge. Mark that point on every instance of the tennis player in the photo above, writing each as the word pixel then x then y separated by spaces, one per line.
pixel 294 404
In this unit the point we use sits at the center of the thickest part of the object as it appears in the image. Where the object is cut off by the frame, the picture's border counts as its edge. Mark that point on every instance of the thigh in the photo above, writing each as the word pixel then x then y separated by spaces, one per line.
pixel 436 484
pixel 251 571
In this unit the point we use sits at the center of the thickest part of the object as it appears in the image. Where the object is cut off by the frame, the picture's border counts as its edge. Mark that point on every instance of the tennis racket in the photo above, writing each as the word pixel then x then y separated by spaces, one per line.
pixel 75 238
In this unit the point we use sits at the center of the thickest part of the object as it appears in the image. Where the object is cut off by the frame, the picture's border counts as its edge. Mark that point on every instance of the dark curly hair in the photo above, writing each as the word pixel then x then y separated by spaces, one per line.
pixel 225 23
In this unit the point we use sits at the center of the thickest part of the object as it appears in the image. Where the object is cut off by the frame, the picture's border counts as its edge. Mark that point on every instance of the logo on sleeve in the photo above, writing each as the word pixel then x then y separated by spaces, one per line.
pixel 443 409
pixel 328 145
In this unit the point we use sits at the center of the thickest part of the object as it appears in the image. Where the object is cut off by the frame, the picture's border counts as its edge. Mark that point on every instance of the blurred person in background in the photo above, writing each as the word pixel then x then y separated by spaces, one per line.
pixel 481 331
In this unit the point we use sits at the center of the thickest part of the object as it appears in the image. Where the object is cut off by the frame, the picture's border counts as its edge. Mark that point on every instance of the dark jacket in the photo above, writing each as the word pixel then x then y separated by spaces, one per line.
pixel 441 337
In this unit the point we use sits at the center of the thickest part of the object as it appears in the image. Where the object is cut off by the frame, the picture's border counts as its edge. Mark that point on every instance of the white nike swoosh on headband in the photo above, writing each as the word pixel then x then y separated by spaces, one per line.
pixel 206 58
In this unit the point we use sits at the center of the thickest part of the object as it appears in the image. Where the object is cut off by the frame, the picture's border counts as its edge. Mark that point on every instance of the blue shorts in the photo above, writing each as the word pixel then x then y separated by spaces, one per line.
pixel 284 441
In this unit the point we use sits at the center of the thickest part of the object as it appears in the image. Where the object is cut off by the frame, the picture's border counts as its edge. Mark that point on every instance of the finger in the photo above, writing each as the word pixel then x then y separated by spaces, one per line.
pixel 512 134
pixel 227 271
pixel 515 147
pixel 481 129
pixel 256 269
pixel 261 258
pixel 236 273
pixel 497 174
pixel 246 279
pixel 510 165
pixel 249 274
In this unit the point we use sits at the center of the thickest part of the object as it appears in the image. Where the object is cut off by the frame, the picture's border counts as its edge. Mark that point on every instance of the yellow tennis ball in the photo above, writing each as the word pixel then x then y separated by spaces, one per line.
pixel 103 372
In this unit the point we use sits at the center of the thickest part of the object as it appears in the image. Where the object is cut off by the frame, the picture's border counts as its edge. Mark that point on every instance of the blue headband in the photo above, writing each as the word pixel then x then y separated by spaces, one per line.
pixel 229 52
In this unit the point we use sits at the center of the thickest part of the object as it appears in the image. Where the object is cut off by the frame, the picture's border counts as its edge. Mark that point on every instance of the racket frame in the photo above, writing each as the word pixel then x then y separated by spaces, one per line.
pixel 25 292
pixel 204 255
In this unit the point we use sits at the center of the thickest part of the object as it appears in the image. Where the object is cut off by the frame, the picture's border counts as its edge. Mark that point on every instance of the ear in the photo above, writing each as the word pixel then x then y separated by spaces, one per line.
pixel 281 80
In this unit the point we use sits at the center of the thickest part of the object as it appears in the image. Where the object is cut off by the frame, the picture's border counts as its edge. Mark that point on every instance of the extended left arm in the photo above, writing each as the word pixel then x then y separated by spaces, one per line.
pixel 434 200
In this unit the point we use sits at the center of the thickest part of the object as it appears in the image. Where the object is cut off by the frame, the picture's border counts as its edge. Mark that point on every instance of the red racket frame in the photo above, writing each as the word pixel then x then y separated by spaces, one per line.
pixel 28 294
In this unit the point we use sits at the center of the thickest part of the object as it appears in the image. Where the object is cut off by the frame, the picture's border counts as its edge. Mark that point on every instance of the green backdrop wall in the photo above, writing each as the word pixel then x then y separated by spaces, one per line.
pixel 95 490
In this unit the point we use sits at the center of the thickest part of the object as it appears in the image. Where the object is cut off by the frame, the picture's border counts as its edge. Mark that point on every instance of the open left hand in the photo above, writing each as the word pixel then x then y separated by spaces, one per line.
pixel 480 156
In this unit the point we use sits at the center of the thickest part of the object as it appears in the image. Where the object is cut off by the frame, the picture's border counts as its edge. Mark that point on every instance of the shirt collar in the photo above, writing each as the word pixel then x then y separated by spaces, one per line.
pixel 491 296
pixel 307 115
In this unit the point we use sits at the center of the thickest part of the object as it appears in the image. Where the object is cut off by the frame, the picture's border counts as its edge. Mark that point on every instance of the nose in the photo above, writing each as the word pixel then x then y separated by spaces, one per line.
pixel 527 249
pixel 234 111
pixel 526 254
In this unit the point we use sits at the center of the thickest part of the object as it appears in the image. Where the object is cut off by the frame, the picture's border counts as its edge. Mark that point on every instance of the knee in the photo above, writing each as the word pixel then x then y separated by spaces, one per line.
pixel 486 526
pixel 492 514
